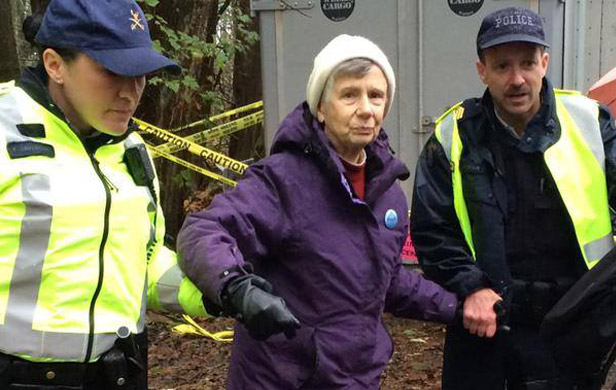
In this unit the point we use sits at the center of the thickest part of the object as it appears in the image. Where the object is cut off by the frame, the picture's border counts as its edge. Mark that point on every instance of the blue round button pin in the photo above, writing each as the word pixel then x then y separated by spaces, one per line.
pixel 391 219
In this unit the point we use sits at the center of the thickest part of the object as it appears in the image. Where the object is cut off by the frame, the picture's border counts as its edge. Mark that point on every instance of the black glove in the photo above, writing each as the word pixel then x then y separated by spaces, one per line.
pixel 249 297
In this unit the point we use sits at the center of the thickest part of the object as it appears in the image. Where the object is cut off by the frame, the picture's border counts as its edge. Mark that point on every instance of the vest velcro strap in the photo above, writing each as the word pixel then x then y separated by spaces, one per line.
pixel 34 130
pixel 29 149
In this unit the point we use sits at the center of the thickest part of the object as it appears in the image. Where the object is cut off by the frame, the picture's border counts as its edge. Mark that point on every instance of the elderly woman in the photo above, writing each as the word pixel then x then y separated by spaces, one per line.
pixel 321 223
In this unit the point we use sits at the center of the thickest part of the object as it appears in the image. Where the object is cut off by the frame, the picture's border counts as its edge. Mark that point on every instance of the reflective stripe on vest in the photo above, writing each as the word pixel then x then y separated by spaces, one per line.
pixel 576 162
pixel 168 288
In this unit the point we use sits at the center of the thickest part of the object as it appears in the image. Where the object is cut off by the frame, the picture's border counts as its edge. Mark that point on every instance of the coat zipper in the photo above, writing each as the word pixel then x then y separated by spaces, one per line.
pixel 101 250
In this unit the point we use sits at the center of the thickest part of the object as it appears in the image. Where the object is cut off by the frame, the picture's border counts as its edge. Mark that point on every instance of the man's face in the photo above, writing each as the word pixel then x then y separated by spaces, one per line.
pixel 514 74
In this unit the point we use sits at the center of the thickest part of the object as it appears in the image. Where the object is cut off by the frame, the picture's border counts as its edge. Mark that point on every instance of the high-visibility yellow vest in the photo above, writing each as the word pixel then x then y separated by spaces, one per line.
pixel 81 244
pixel 576 162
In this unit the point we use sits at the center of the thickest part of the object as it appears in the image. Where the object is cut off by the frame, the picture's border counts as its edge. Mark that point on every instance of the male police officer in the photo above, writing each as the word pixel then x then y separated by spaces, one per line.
pixel 510 207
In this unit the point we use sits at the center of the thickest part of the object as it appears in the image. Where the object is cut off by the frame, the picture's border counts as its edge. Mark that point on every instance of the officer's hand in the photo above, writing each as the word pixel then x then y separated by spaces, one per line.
pixel 262 313
pixel 479 316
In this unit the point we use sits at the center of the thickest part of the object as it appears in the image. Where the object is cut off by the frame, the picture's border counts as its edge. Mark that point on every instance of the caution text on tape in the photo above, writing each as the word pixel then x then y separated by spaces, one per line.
pixel 193 167
pixel 209 155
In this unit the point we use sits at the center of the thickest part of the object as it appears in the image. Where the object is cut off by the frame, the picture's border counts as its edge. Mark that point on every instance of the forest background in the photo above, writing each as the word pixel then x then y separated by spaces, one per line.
pixel 216 43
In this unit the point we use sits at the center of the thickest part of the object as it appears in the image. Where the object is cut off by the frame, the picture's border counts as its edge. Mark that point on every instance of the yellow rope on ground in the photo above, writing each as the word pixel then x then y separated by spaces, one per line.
pixel 192 327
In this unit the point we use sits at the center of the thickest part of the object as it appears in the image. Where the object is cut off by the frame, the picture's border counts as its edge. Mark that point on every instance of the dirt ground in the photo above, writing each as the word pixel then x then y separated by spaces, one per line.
pixel 197 363
pixel 186 362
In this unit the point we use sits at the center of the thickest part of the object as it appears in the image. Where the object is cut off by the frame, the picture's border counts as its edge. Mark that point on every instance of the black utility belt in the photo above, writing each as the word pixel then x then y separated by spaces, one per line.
pixel 19 372
pixel 117 368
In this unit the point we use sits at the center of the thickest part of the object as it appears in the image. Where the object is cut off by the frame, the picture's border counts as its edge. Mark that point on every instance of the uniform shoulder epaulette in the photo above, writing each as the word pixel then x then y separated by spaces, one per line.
pixel 463 110
pixel 457 109
pixel 472 107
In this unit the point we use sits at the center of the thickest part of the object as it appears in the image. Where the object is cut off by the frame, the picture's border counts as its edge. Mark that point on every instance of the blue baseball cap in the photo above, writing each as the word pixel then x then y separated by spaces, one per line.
pixel 113 33
pixel 512 24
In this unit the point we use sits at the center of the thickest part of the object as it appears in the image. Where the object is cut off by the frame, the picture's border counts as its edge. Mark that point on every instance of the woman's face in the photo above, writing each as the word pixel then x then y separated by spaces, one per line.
pixel 353 112
pixel 92 97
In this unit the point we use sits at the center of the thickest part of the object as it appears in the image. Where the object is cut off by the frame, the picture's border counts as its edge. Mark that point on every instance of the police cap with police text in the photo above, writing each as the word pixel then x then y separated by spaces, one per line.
pixel 512 24
pixel 113 33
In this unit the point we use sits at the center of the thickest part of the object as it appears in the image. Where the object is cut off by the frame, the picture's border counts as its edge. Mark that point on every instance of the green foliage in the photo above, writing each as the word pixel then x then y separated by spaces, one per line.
pixel 151 3
pixel 232 36
pixel 185 179
pixel 207 62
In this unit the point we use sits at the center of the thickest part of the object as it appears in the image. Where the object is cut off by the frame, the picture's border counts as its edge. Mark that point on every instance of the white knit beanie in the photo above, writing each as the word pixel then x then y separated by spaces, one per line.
pixel 340 49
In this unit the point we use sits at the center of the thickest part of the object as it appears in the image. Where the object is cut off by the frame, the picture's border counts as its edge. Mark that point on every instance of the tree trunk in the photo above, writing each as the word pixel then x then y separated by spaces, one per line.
pixel 247 88
pixel 16 52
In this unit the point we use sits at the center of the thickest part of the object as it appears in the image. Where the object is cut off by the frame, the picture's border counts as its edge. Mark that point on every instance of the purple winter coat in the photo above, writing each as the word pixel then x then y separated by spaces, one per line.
pixel 328 254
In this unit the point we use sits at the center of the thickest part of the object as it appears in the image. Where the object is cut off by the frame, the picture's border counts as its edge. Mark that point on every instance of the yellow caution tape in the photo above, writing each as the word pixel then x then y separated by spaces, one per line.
pixel 252 106
pixel 209 155
pixel 192 327
pixel 215 132
pixel 230 127
pixel 191 166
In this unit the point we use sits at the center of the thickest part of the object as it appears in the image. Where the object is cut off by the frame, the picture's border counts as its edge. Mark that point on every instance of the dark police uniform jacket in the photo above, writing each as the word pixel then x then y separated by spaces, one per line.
pixel 521 229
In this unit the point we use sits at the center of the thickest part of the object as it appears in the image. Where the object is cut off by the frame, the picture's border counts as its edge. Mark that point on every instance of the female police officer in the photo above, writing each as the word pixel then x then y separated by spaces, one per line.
pixel 81 249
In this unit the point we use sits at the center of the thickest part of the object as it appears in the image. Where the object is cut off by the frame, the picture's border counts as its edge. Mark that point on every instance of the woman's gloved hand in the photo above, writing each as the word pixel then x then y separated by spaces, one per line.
pixel 249 297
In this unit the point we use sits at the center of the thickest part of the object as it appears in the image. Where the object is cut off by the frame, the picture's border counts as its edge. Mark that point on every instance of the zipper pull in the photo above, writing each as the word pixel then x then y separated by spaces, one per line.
pixel 108 183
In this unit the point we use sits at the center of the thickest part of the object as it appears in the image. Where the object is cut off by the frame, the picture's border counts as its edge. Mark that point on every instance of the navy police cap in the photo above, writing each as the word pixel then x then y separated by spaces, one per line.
pixel 114 33
pixel 512 24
